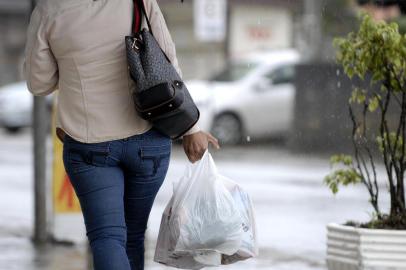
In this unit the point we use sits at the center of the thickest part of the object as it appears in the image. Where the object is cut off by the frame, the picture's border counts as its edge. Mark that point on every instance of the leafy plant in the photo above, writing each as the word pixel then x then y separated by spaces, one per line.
pixel 377 51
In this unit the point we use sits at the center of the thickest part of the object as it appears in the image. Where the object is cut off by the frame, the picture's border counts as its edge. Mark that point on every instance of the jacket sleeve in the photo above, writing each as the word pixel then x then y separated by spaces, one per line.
pixel 161 32
pixel 194 129
pixel 40 67
pixel 164 39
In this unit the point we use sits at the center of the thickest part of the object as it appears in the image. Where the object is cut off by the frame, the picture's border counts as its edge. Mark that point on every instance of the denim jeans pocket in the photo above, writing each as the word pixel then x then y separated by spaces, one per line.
pixel 153 158
pixel 84 159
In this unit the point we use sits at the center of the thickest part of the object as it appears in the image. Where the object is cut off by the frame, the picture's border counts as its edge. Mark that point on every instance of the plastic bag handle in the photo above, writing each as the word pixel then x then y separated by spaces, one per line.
pixel 193 169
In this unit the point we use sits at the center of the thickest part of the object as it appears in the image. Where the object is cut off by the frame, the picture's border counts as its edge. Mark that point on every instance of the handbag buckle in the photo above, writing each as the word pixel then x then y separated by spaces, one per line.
pixel 134 44
pixel 135 40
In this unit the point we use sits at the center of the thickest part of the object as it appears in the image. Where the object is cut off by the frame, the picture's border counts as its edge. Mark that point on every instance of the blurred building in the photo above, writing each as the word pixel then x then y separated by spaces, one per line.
pixel 13 23
pixel 253 25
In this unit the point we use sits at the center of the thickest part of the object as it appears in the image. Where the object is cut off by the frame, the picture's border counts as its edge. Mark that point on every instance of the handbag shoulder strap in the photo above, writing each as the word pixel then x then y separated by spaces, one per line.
pixel 140 4
pixel 136 25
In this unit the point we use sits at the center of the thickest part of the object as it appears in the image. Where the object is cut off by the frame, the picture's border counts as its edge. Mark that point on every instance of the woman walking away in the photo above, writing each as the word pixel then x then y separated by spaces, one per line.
pixel 115 160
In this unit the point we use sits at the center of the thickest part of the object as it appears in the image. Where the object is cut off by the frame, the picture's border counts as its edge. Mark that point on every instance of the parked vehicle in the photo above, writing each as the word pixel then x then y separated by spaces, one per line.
pixel 16 104
pixel 252 97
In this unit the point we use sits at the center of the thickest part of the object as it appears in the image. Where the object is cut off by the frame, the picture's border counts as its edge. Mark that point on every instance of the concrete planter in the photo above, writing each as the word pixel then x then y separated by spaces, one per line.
pixel 350 248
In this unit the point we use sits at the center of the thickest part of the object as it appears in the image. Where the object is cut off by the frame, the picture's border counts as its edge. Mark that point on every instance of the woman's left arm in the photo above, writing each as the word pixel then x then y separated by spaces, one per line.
pixel 40 66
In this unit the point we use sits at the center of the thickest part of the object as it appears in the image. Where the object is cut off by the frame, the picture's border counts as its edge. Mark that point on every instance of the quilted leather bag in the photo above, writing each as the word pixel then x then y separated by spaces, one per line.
pixel 161 97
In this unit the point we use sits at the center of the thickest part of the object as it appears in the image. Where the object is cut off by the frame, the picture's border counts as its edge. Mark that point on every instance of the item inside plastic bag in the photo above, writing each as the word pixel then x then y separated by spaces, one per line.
pixel 249 243
pixel 208 221
pixel 164 248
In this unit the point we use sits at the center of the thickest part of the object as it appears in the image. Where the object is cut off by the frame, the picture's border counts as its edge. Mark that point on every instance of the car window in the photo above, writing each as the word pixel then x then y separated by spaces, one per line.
pixel 234 72
pixel 281 75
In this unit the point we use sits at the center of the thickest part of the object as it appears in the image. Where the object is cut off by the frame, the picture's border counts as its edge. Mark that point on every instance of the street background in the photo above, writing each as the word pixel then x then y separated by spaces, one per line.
pixel 272 60
pixel 291 205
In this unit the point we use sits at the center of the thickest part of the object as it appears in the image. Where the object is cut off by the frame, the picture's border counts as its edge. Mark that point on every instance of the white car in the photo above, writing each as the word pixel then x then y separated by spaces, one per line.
pixel 252 98
pixel 16 104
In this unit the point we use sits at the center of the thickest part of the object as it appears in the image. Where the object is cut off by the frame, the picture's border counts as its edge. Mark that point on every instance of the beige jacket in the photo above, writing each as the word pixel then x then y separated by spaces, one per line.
pixel 78 47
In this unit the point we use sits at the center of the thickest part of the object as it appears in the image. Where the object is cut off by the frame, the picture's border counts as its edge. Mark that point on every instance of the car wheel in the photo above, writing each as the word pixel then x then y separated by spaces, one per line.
pixel 13 130
pixel 227 128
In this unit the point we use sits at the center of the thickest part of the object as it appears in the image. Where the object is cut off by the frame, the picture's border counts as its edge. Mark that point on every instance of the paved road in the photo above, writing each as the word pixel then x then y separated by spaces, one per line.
pixel 292 207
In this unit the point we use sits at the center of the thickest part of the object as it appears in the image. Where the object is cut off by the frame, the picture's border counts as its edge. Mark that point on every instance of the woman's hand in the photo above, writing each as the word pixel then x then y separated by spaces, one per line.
pixel 196 144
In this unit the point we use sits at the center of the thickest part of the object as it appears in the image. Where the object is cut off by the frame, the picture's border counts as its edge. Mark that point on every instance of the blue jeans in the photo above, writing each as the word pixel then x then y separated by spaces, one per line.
pixel 116 183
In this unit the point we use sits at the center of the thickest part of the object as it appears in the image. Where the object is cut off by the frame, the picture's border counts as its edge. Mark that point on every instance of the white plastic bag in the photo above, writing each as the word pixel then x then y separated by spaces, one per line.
pixel 204 216
pixel 208 221
pixel 201 221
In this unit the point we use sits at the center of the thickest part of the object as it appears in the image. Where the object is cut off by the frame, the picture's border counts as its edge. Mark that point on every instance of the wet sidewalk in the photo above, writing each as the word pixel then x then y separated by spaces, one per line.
pixel 292 208
pixel 18 253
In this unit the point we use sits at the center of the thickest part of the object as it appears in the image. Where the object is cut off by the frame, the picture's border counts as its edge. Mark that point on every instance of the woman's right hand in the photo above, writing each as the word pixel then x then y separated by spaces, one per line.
pixel 197 143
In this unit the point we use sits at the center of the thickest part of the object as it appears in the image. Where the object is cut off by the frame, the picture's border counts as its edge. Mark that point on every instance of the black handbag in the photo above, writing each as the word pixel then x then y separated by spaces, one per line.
pixel 161 97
